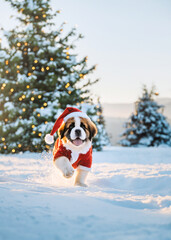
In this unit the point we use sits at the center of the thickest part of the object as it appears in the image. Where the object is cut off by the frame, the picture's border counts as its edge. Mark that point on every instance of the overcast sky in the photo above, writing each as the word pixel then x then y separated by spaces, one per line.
pixel 129 40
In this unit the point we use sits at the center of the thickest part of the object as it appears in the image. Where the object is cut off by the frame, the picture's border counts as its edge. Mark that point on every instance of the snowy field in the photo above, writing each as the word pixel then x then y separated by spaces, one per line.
pixel 129 197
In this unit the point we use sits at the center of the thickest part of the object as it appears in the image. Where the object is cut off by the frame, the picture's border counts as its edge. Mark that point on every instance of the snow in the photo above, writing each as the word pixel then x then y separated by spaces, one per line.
pixel 9 105
pixel 129 197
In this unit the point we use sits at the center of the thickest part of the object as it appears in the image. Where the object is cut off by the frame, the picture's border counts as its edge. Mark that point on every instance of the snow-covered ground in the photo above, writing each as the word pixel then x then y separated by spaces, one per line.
pixel 129 197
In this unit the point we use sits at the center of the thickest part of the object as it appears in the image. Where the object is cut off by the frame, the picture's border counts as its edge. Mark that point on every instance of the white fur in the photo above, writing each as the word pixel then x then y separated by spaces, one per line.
pixel 81 178
pixel 64 165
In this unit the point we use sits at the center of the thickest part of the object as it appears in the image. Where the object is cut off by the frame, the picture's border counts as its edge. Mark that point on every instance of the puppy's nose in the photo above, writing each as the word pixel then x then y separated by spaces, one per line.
pixel 78 132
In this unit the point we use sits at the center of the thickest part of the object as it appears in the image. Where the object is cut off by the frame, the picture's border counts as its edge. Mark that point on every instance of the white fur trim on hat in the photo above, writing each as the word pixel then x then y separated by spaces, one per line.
pixel 49 139
pixel 76 114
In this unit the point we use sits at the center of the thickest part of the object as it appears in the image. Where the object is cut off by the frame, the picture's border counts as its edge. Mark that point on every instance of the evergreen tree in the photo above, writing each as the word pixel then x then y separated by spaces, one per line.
pixel 39 76
pixel 147 126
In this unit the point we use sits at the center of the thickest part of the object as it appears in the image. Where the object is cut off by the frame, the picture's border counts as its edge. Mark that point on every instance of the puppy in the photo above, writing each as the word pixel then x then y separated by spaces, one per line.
pixel 73 148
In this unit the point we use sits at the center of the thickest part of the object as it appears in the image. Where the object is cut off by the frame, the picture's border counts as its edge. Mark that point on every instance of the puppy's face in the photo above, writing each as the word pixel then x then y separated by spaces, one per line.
pixel 77 130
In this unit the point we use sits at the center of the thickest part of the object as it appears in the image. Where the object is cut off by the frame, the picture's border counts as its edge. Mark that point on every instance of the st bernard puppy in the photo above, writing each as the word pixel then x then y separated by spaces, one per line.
pixel 73 148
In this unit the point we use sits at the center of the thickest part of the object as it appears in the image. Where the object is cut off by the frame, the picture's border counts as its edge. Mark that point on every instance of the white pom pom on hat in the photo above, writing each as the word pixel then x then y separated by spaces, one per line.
pixel 68 113
pixel 49 139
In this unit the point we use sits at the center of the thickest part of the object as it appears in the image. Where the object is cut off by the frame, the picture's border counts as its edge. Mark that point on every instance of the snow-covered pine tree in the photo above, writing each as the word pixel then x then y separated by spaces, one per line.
pixel 39 76
pixel 147 126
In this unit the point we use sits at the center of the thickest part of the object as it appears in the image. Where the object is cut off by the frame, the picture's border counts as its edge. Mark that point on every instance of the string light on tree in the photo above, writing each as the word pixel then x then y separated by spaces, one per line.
pixel 67 85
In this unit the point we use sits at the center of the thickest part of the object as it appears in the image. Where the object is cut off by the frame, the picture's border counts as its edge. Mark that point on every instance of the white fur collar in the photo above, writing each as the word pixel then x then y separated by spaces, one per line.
pixel 76 150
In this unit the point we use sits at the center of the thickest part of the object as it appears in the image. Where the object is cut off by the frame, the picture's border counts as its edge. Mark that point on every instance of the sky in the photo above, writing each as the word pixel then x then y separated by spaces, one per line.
pixel 130 41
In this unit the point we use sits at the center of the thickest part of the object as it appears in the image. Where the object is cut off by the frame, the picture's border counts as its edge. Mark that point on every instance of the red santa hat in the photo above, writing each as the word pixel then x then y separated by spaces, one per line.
pixel 69 112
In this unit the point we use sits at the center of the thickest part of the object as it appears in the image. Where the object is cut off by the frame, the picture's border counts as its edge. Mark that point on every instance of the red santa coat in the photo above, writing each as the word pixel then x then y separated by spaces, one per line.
pixel 83 161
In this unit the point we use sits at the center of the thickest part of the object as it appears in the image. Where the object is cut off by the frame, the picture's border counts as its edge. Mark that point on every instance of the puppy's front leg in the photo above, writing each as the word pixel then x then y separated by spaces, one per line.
pixel 64 165
pixel 81 177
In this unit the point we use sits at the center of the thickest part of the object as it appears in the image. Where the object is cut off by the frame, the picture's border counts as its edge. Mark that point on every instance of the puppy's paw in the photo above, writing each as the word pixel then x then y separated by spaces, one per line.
pixel 81 184
pixel 68 172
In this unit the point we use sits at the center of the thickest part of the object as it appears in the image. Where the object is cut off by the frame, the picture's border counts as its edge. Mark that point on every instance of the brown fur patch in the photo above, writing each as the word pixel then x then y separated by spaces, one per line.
pixel 62 131
pixel 69 122
pixel 91 128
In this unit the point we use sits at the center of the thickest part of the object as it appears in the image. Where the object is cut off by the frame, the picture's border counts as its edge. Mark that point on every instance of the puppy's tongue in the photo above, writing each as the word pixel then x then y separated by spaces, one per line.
pixel 77 141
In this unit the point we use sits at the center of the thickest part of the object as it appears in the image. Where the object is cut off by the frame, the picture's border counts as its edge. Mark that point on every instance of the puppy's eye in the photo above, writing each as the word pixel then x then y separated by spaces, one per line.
pixel 71 126
pixel 83 126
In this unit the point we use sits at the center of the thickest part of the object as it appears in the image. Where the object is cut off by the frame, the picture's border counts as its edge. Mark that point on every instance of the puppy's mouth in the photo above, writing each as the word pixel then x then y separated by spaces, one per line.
pixel 77 142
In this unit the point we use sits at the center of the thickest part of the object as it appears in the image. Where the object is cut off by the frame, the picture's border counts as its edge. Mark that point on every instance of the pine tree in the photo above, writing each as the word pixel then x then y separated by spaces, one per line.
pixel 147 126
pixel 39 76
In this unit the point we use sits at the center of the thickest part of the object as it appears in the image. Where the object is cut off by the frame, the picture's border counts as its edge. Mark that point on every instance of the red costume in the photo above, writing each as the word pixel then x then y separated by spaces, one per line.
pixel 83 160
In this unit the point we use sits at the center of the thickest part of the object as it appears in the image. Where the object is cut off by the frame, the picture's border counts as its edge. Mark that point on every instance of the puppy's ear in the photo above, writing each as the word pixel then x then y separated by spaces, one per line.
pixel 92 129
pixel 61 131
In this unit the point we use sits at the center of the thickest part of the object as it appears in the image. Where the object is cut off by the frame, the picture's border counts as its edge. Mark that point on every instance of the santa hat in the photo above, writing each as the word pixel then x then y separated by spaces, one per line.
pixel 69 112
